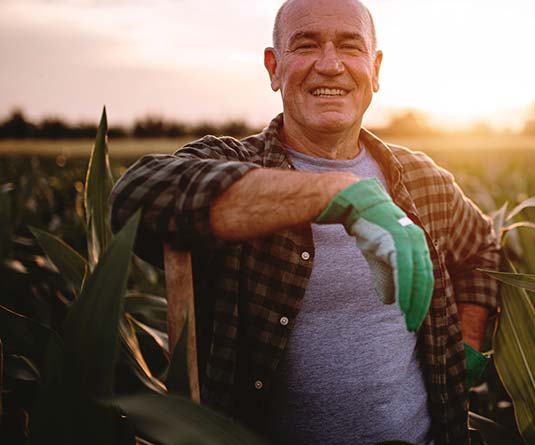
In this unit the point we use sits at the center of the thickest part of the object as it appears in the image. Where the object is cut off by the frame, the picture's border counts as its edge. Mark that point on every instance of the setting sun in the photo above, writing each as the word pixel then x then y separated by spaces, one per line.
pixel 459 61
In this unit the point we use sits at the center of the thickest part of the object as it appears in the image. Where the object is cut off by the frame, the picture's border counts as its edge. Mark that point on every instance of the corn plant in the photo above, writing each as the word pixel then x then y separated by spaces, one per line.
pixel 514 335
pixel 76 369
pixel 77 400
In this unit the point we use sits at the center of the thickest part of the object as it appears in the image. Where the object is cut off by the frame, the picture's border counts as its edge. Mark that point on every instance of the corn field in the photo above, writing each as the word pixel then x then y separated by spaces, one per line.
pixel 83 345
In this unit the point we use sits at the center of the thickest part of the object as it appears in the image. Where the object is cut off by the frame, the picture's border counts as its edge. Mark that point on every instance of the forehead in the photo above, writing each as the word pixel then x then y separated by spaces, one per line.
pixel 326 18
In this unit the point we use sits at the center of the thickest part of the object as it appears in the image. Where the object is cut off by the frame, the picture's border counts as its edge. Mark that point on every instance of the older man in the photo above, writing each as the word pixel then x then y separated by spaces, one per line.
pixel 293 232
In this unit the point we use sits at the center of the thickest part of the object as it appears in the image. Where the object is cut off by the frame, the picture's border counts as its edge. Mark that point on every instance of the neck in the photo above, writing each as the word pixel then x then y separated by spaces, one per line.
pixel 330 145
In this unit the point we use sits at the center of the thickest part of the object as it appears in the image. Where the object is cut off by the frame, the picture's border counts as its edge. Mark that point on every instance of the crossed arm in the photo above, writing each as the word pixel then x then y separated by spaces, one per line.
pixel 273 200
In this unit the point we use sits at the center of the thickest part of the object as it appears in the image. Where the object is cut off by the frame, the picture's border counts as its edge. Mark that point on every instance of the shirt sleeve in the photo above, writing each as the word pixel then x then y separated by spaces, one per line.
pixel 472 245
pixel 175 193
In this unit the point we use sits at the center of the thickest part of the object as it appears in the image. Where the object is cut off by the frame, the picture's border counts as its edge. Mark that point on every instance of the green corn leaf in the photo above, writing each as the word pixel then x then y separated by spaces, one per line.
pixel 527 240
pixel 514 354
pixel 25 337
pixel 492 433
pixel 135 360
pixel 523 224
pixel 98 185
pixel 64 415
pixel 524 281
pixel 19 367
pixel 91 328
pixel 6 219
pixel 70 263
pixel 498 219
pixel 146 277
pixel 167 419
pixel 63 418
pixel 74 420
pixel 530 202
pixel 159 337
pixel 150 309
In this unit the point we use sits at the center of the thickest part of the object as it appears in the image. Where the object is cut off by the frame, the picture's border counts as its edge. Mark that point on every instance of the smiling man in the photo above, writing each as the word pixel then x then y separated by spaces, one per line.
pixel 335 276
pixel 326 65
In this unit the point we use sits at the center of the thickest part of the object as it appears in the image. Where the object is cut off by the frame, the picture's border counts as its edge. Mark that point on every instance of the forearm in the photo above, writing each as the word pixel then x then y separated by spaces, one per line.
pixel 473 320
pixel 266 200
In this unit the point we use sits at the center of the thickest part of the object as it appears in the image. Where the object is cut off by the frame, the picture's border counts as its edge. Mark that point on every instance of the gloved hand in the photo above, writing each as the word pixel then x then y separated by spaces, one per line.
pixel 475 365
pixel 394 247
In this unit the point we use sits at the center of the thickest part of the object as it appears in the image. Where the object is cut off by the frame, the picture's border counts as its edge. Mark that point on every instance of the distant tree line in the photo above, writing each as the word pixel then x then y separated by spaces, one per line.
pixel 17 126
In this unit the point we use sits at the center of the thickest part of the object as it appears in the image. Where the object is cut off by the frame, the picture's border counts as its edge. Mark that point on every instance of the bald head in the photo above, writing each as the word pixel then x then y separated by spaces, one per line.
pixel 277 27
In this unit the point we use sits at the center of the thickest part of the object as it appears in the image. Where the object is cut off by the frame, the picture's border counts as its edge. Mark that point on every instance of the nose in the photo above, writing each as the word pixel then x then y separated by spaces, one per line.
pixel 328 62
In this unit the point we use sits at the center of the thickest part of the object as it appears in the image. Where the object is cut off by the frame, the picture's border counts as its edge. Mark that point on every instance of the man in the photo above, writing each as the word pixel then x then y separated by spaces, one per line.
pixel 293 339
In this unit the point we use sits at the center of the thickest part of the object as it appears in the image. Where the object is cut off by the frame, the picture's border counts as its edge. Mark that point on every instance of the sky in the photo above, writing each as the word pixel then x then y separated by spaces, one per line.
pixel 460 61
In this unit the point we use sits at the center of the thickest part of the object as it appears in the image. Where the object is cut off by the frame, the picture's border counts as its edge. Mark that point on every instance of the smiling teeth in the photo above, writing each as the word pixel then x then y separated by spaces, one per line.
pixel 328 92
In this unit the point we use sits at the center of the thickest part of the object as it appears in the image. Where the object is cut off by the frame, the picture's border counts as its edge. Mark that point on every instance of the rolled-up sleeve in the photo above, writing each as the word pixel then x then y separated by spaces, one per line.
pixel 472 245
pixel 175 193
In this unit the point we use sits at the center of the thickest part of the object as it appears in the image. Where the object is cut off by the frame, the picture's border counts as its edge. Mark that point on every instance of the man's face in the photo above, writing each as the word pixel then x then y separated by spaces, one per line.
pixel 326 66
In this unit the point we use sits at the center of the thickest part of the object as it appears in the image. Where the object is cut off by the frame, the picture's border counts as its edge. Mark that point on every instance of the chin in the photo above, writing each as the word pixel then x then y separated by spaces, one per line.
pixel 333 123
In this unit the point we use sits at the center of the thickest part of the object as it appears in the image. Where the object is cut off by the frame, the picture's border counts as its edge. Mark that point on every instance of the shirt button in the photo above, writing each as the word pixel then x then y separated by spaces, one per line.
pixel 258 384
pixel 284 321
pixel 305 255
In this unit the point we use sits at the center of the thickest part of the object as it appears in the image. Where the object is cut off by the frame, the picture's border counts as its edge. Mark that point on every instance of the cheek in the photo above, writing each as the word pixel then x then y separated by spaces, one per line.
pixel 295 73
pixel 362 71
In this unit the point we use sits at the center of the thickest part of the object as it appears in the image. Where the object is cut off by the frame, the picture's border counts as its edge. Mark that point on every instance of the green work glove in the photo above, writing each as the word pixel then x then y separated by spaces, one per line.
pixel 475 365
pixel 394 247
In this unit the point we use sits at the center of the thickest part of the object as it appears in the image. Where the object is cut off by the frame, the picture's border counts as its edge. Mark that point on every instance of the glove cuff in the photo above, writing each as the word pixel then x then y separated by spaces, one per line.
pixel 346 205
pixel 475 365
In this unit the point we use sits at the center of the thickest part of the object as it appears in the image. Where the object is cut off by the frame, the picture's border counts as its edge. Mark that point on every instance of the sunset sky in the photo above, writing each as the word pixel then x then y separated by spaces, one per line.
pixel 462 61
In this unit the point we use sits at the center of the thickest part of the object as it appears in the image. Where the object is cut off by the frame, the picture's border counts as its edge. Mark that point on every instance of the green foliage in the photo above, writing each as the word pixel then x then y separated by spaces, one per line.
pixel 24 337
pixel 149 309
pixel 514 336
pixel 520 280
pixel 92 323
pixel 98 185
pixel 134 358
pixel 492 432
pixel 76 398
pixel 70 263
pixel 172 419
pixel 514 346
pixel 5 221
pixel 49 194
pixel 81 370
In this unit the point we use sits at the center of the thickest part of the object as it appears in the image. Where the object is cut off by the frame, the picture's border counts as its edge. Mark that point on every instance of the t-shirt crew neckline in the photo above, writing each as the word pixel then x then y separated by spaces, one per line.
pixel 326 162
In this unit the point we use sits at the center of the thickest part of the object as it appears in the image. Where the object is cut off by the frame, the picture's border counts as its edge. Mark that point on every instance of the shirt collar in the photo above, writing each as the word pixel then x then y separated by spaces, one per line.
pixel 275 157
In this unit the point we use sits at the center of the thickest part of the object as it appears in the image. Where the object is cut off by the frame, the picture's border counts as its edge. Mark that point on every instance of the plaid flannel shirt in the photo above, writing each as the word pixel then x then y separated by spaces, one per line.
pixel 248 294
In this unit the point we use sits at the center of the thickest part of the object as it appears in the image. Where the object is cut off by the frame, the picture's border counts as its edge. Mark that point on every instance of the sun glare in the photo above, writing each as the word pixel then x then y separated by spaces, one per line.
pixel 458 61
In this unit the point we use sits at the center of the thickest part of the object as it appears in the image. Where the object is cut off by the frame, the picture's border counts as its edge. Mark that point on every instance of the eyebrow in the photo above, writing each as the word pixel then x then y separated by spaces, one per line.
pixel 314 35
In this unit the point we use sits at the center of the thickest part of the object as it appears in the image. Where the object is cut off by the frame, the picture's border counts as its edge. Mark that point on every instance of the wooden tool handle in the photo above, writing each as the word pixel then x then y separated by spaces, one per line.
pixel 179 283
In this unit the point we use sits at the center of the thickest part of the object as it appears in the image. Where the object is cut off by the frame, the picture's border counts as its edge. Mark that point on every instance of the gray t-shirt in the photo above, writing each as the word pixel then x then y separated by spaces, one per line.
pixel 350 373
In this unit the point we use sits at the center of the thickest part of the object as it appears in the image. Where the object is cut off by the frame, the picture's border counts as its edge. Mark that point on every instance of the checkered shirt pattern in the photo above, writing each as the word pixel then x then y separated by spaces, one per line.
pixel 244 290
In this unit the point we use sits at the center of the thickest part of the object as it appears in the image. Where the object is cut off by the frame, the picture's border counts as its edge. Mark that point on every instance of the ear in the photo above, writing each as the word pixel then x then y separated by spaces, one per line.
pixel 376 69
pixel 270 62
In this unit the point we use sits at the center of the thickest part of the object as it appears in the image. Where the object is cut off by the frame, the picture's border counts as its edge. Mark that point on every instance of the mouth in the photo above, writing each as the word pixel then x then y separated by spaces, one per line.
pixel 328 92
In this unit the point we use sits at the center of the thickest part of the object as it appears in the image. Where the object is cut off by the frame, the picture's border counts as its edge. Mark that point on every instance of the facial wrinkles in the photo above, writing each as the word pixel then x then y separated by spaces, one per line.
pixel 326 87
pixel 339 19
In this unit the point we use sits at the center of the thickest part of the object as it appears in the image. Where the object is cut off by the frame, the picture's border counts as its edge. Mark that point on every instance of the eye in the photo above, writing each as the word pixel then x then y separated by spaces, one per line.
pixel 351 47
pixel 305 46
